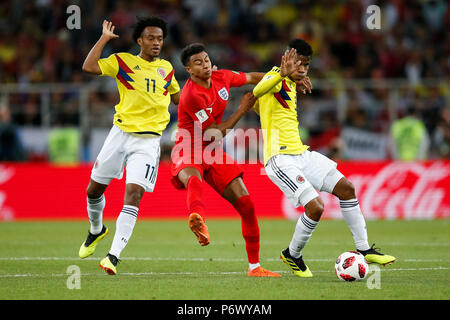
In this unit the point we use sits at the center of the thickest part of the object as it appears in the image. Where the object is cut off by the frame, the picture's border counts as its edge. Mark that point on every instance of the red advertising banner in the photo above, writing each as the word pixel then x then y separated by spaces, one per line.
pixel 386 190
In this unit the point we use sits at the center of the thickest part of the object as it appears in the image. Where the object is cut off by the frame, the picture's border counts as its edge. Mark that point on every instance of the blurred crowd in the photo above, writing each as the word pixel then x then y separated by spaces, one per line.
pixel 249 35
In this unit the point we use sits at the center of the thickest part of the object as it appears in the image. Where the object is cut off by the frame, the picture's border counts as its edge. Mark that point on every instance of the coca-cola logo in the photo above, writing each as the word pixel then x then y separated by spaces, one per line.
pixel 392 190
pixel 405 190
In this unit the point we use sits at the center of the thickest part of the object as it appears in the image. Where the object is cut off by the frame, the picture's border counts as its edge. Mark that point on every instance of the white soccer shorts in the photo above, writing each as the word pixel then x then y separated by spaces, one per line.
pixel 298 176
pixel 140 156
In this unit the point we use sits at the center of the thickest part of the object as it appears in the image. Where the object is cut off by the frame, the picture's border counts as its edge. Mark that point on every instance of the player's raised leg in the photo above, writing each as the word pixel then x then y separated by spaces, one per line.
pixel 95 205
pixel 236 193
pixel 191 178
pixel 354 218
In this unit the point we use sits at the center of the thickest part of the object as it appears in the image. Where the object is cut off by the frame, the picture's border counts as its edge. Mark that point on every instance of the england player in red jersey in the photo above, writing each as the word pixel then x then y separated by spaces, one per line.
pixel 194 157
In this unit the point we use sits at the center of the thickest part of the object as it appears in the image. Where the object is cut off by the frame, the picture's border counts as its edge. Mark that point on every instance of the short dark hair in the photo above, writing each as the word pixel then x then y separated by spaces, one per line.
pixel 303 48
pixel 143 22
pixel 190 50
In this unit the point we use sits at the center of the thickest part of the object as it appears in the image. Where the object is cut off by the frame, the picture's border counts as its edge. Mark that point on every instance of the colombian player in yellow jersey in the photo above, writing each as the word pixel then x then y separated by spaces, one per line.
pixel 146 85
pixel 297 171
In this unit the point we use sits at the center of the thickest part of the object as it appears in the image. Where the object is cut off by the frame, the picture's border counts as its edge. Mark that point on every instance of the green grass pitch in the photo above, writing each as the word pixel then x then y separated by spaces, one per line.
pixel 163 261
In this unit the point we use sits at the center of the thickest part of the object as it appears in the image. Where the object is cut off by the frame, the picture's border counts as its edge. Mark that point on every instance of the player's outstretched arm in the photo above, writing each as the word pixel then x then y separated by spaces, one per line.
pixel 288 66
pixel 90 64
pixel 246 104
pixel 265 85
pixel 254 77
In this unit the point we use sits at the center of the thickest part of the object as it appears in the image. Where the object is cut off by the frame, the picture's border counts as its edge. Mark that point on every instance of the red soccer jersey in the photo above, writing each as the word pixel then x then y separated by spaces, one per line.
pixel 201 106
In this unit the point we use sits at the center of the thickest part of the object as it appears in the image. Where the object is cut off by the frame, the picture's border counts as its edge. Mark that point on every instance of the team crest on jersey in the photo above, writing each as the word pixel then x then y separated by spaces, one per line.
pixel 300 179
pixel 162 72
pixel 223 93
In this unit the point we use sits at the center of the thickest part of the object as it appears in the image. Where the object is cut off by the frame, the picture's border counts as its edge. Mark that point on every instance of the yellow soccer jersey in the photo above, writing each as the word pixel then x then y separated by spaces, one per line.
pixel 277 109
pixel 145 88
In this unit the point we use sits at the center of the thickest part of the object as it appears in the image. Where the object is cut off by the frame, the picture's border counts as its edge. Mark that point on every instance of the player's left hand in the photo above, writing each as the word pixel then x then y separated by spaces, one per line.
pixel 304 85
pixel 289 63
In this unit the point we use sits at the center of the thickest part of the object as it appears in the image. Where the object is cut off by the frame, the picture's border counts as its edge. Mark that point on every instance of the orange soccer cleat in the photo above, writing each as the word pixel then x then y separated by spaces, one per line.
pixel 261 272
pixel 199 228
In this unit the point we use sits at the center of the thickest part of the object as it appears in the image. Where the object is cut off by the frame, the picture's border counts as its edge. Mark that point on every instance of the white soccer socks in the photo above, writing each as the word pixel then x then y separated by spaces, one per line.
pixel 355 221
pixel 95 212
pixel 303 231
pixel 124 228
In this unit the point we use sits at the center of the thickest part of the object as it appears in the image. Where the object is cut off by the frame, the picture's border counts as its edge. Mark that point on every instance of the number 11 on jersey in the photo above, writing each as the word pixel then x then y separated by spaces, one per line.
pixel 148 84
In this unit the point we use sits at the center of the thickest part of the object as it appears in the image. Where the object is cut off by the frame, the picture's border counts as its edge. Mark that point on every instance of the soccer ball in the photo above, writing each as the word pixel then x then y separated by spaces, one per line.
pixel 351 266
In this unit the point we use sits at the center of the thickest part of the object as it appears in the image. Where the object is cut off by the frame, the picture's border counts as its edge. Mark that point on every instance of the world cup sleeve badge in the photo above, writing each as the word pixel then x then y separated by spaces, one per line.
pixel 202 116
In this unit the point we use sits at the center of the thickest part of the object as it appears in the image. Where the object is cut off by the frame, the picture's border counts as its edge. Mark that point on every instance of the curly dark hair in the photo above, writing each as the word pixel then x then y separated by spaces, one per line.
pixel 143 22
pixel 303 48
pixel 190 50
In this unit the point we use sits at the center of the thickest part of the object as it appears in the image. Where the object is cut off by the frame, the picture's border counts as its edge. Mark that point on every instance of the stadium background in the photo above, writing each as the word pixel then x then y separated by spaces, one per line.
pixel 54 118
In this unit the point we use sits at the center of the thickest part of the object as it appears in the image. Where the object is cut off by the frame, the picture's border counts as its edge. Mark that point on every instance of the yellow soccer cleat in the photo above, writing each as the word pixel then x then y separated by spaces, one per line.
pixel 373 256
pixel 109 264
pixel 88 246
pixel 297 265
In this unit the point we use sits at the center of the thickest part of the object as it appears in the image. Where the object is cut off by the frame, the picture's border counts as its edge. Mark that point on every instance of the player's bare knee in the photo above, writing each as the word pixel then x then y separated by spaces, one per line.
pixel 187 173
pixel 91 194
pixel 345 190
pixel 348 191
pixel 235 190
pixel 133 195
pixel 315 213
pixel 132 199
pixel 314 209
pixel 93 191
